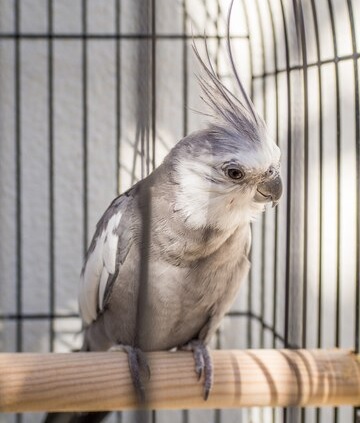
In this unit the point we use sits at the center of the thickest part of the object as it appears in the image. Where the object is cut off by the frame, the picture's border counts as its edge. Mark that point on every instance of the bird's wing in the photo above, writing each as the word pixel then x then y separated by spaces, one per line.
pixel 107 252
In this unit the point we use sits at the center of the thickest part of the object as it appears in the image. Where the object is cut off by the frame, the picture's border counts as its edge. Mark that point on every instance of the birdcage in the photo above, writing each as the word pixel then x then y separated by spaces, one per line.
pixel 94 93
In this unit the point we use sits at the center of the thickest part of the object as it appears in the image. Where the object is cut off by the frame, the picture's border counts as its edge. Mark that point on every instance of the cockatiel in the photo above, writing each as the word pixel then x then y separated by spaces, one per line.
pixel 168 256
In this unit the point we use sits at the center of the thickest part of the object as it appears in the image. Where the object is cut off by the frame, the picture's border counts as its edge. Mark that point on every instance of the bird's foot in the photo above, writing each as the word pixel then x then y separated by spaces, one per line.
pixel 203 363
pixel 139 368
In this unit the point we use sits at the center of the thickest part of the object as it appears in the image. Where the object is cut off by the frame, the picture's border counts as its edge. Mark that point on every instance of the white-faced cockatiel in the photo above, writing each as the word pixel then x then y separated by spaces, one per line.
pixel 168 256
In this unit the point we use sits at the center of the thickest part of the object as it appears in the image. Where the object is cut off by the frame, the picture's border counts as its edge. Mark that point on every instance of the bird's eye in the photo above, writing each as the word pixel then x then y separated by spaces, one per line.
pixel 234 173
pixel 270 171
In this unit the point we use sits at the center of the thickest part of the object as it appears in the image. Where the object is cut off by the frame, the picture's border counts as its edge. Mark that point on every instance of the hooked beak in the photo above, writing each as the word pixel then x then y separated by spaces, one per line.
pixel 269 190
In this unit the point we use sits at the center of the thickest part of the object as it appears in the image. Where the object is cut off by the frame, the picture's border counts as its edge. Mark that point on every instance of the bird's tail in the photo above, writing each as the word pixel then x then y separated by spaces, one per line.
pixel 93 417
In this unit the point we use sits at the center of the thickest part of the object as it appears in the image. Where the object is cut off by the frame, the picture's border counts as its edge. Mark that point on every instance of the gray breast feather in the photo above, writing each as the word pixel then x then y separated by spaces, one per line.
pixel 108 250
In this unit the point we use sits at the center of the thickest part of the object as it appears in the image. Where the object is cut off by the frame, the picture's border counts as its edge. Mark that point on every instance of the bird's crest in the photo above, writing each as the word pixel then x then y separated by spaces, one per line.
pixel 235 114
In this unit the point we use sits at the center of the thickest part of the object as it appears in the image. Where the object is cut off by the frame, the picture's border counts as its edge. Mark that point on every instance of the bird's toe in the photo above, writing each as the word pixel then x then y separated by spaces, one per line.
pixel 203 364
pixel 139 368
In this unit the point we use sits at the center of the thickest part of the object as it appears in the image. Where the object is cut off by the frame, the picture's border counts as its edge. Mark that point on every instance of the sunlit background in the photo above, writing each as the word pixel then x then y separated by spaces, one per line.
pixel 94 93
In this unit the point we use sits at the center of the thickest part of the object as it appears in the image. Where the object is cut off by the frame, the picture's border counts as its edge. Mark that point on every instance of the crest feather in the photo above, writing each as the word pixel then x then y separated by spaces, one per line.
pixel 239 113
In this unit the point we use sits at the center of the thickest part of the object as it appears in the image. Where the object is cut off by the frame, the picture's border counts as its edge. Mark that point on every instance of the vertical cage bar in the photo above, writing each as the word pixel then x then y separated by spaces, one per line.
pixel 357 146
pixel 264 215
pixel 356 412
pixel 250 277
pixel 295 251
pixel 217 412
pixel 19 302
pixel 338 169
pixel 118 81
pixel 144 83
pixel 118 92
pixel 321 184
pixel 276 227
pixel 338 184
pixel 302 39
pixel 276 69
pixel 218 40
pixel 153 121
pixel 288 204
pixel 296 228
pixel 287 58
pixel 19 305
pixel 185 69
pixel 51 174
pixel 146 135
pixel 85 122
pixel 153 81
pixel 185 413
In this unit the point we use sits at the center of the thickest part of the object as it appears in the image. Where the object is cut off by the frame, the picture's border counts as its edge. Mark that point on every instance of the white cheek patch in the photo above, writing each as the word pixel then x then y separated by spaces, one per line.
pixel 192 197
pixel 203 202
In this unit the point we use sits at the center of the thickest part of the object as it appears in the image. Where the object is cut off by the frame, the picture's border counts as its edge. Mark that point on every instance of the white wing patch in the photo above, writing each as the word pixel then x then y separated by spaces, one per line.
pixel 100 264
pixel 102 287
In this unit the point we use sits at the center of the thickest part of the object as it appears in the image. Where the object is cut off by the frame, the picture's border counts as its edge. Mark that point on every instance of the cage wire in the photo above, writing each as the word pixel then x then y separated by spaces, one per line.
pixel 94 93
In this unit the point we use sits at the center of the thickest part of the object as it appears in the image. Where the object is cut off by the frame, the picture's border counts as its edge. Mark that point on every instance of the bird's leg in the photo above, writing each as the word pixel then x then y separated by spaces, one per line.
pixel 139 368
pixel 203 363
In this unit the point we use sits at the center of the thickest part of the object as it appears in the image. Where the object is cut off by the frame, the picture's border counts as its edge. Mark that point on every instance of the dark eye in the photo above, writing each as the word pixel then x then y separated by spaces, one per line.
pixel 234 173
pixel 270 171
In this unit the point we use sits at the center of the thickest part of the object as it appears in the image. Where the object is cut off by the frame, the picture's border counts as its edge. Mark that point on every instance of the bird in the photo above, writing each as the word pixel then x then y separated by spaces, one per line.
pixel 168 255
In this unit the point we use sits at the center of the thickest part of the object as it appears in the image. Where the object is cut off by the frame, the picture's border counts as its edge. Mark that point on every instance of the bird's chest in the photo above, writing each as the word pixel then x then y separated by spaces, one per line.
pixel 214 278
pixel 184 297
pixel 206 268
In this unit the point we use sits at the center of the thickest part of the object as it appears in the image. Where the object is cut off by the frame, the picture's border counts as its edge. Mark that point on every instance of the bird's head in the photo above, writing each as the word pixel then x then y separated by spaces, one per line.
pixel 225 177
pixel 227 173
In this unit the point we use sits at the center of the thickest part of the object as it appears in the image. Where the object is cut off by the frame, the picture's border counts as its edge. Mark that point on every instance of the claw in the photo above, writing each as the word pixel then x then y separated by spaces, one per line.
pixel 203 364
pixel 139 368
pixel 199 362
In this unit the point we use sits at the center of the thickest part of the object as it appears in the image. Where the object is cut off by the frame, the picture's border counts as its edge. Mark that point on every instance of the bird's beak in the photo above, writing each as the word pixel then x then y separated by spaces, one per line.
pixel 269 190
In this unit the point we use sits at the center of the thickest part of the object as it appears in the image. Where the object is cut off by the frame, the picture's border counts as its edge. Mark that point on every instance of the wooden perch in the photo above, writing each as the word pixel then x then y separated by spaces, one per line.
pixel 101 381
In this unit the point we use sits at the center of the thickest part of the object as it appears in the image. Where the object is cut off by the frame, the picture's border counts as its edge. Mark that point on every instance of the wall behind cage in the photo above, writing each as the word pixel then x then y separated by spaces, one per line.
pixel 92 96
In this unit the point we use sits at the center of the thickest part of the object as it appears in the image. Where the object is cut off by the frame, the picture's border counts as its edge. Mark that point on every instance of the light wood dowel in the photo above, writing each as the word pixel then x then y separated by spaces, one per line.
pixel 101 381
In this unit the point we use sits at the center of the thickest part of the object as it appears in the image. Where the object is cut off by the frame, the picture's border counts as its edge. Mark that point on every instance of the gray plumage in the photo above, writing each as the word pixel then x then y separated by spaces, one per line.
pixel 199 232
pixel 168 256
pixel 200 202
pixel 194 271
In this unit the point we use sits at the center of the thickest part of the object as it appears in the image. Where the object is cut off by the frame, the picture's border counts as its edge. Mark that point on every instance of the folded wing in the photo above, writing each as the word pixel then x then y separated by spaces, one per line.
pixel 107 252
